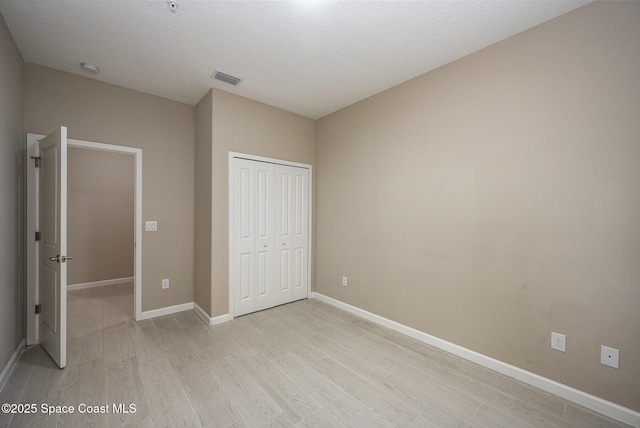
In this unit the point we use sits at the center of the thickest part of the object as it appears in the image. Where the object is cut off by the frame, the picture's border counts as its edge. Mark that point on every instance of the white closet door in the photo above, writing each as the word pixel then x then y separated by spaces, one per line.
pixel 244 237
pixel 253 234
pixel 270 235
pixel 292 233
pixel 300 216
pixel 264 242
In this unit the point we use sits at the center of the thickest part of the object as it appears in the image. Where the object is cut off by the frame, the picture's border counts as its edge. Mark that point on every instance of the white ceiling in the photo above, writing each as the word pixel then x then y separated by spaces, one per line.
pixel 307 57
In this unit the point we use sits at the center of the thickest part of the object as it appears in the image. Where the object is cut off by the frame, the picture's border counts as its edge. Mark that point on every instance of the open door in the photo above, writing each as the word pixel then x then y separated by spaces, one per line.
pixel 52 264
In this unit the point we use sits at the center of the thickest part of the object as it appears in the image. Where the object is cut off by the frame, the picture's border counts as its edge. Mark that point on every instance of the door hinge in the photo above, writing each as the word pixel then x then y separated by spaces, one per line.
pixel 37 160
pixel 38 308
pixel 38 236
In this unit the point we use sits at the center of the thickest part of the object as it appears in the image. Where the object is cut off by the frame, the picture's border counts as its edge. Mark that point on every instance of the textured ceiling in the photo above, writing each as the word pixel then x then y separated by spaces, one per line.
pixel 307 57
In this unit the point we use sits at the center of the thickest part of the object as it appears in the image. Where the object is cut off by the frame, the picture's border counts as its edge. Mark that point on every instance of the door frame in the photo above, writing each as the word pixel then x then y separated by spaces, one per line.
pixel 33 222
pixel 236 155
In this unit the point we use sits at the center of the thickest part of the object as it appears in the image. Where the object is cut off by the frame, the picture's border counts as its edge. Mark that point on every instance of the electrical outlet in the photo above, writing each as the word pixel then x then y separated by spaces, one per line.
pixel 344 281
pixel 151 226
pixel 558 341
pixel 609 356
pixel 165 283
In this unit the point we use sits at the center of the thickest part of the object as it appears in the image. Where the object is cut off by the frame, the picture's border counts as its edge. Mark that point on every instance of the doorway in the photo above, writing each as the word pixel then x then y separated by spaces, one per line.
pixel 33 223
pixel 100 218
pixel 100 236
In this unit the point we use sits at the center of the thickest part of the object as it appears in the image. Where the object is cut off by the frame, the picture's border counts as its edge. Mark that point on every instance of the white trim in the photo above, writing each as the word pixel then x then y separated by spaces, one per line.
pixel 93 284
pixel 63 191
pixel 32 149
pixel 32 225
pixel 11 364
pixel 204 316
pixel 219 319
pixel 233 155
pixel 265 159
pixel 166 311
pixel 230 232
pixel 589 401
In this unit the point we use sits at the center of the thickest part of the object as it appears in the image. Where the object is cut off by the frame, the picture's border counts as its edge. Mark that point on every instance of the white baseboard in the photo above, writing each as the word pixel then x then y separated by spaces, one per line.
pixel 219 319
pixel 93 284
pixel 202 314
pixel 185 307
pixel 589 401
pixel 11 364
pixel 166 311
pixel 210 320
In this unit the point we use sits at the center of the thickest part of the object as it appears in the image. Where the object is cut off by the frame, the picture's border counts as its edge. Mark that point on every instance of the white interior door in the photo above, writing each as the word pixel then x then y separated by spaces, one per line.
pixel 253 234
pixel 53 245
pixel 243 235
pixel 264 238
pixel 292 233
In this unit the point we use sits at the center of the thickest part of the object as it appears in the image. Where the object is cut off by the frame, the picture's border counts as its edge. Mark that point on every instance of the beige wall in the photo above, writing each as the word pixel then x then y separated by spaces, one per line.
pixel 202 292
pixel 100 215
pixel 165 131
pixel 495 200
pixel 11 196
pixel 246 126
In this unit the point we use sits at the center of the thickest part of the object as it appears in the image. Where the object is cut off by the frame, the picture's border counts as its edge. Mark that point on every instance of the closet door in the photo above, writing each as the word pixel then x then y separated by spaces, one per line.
pixel 253 261
pixel 270 235
pixel 292 233
pixel 264 242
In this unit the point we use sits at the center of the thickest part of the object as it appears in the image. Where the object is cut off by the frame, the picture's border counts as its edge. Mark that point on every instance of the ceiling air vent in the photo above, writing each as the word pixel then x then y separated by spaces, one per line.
pixel 227 78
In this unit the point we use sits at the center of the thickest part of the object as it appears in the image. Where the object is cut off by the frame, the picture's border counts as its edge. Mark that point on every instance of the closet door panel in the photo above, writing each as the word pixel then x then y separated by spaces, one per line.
pixel 283 233
pixel 244 237
pixel 246 277
pixel 300 232
pixel 264 242
pixel 292 217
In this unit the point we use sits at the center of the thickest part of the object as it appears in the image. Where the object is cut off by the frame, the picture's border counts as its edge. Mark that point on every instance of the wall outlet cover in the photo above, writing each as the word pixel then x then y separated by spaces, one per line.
pixel 151 226
pixel 558 342
pixel 165 284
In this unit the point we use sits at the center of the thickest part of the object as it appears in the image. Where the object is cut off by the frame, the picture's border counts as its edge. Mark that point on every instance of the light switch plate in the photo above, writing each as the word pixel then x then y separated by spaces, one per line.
pixel 151 226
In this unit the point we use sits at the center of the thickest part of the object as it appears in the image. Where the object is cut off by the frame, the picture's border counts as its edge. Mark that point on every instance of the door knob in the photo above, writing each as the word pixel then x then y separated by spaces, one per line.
pixel 265 245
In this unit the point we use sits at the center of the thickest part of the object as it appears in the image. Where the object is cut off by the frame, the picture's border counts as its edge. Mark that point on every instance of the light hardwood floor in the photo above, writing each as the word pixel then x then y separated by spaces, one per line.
pixel 302 364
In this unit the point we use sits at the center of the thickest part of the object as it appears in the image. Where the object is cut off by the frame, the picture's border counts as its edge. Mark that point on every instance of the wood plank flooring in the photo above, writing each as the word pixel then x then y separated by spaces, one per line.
pixel 305 364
